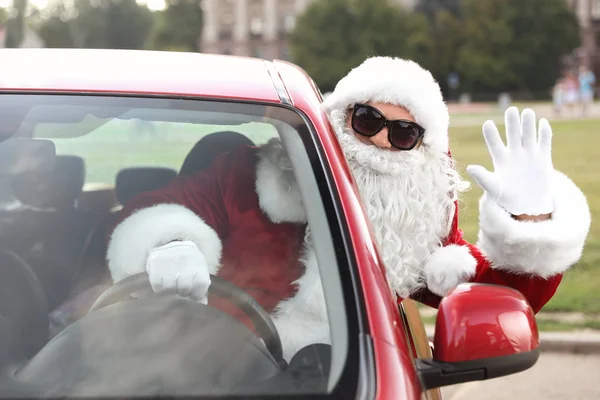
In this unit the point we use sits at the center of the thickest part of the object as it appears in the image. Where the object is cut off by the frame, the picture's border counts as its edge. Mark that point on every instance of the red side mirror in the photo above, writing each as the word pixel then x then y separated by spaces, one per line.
pixel 482 332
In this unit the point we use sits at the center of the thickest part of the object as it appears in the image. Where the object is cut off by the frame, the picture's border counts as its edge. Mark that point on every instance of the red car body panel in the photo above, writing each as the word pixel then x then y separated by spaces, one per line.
pixel 136 72
pixel 396 377
pixel 227 77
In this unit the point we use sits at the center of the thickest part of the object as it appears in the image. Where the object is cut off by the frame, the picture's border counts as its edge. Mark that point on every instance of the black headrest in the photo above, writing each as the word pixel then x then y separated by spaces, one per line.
pixel 23 155
pixel 135 180
pixel 54 188
pixel 204 152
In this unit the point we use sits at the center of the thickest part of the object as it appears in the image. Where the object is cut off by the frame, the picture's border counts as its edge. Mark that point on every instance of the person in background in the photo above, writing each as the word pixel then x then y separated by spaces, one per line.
pixel 558 96
pixel 587 79
pixel 570 91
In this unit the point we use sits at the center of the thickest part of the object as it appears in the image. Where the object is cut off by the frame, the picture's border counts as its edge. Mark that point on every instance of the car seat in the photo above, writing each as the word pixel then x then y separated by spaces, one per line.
pixel 93 277
pixel 209 147
pixel 129 182
pixel 23 309
pixel 135 180
pixel 47 231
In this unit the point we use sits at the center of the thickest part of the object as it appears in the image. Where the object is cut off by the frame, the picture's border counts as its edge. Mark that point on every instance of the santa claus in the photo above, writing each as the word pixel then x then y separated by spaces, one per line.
pixel 243 218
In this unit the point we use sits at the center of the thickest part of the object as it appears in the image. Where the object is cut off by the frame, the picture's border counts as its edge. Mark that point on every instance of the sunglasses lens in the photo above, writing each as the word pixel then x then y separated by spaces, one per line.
pixel 404 135
pixel 367 121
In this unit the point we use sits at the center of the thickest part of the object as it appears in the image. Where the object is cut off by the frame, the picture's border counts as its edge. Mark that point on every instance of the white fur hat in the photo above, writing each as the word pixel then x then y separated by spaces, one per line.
pixel 400 82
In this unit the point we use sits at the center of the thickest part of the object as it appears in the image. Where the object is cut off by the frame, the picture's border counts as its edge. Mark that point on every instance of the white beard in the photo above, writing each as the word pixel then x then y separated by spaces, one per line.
pixel 410 200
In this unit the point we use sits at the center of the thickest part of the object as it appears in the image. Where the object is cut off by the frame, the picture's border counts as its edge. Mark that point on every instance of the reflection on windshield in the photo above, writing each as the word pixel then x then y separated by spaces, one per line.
pixel 153 249
pixel 149 143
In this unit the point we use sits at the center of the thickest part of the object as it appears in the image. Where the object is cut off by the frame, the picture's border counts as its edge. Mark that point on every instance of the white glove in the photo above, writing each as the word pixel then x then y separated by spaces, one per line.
pixel 520 182
pixel 179 268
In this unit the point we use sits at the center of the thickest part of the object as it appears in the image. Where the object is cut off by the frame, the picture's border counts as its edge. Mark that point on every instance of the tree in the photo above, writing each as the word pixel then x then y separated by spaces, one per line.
pixel 333 36
pixel 545 31
pixel 178 27
pixel 55 28
pixel 483 60
pixel 514 45
pixel 15 26
pixel 3 16
pixel 446 36
pixel 106 24
pixel 431 7
pixel 127 24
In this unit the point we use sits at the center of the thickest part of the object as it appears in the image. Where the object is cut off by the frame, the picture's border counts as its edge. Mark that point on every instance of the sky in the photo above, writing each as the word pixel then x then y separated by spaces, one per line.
pixel 152 4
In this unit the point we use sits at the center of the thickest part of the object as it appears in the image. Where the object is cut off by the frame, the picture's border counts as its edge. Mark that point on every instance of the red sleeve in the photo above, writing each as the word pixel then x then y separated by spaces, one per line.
pixel 203 192
pixel 536 289
pixel 199 193
pixel 195 208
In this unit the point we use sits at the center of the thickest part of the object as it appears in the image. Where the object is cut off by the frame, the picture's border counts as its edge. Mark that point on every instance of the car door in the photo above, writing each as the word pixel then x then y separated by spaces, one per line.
pixel 417 335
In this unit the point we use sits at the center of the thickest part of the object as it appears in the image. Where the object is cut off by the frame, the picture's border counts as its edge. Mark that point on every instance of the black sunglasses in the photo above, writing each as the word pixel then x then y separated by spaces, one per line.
pixel 402 134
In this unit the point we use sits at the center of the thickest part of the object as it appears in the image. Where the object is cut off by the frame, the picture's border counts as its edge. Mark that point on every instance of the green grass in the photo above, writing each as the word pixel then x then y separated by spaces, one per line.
pixel 576 152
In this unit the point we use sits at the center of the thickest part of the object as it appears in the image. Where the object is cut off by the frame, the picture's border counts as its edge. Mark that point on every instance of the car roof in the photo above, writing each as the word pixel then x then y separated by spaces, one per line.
pixel 139 71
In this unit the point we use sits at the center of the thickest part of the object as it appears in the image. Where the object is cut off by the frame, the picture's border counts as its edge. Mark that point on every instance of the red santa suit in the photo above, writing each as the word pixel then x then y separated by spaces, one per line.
pixel 245 214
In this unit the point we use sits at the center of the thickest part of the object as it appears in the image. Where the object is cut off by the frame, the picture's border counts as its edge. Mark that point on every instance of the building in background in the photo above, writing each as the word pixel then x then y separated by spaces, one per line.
pixel 588 15
pixel 256 28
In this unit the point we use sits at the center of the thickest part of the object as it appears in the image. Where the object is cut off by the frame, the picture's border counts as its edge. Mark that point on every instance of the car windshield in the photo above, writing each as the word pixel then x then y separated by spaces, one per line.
pixel 163 246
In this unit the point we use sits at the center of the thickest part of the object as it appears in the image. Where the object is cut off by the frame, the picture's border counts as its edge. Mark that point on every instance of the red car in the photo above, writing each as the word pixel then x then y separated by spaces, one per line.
pixel 82 131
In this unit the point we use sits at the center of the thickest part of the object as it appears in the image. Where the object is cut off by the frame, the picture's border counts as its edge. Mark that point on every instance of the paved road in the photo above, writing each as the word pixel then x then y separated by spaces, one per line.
pixel 554 377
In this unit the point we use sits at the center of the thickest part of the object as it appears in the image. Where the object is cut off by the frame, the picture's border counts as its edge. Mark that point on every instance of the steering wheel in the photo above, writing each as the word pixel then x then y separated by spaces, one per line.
pixel 261 319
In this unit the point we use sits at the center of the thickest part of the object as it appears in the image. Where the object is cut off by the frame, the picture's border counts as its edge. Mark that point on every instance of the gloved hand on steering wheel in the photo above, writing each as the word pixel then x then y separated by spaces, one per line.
pixel 179 268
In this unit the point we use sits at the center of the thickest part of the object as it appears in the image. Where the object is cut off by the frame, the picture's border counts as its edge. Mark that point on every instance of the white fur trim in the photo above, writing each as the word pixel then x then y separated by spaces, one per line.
pixel 134 238
pixel 400 82
pixel 448 267
pixel 543 248
pixel 302 320
pixel 278 193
